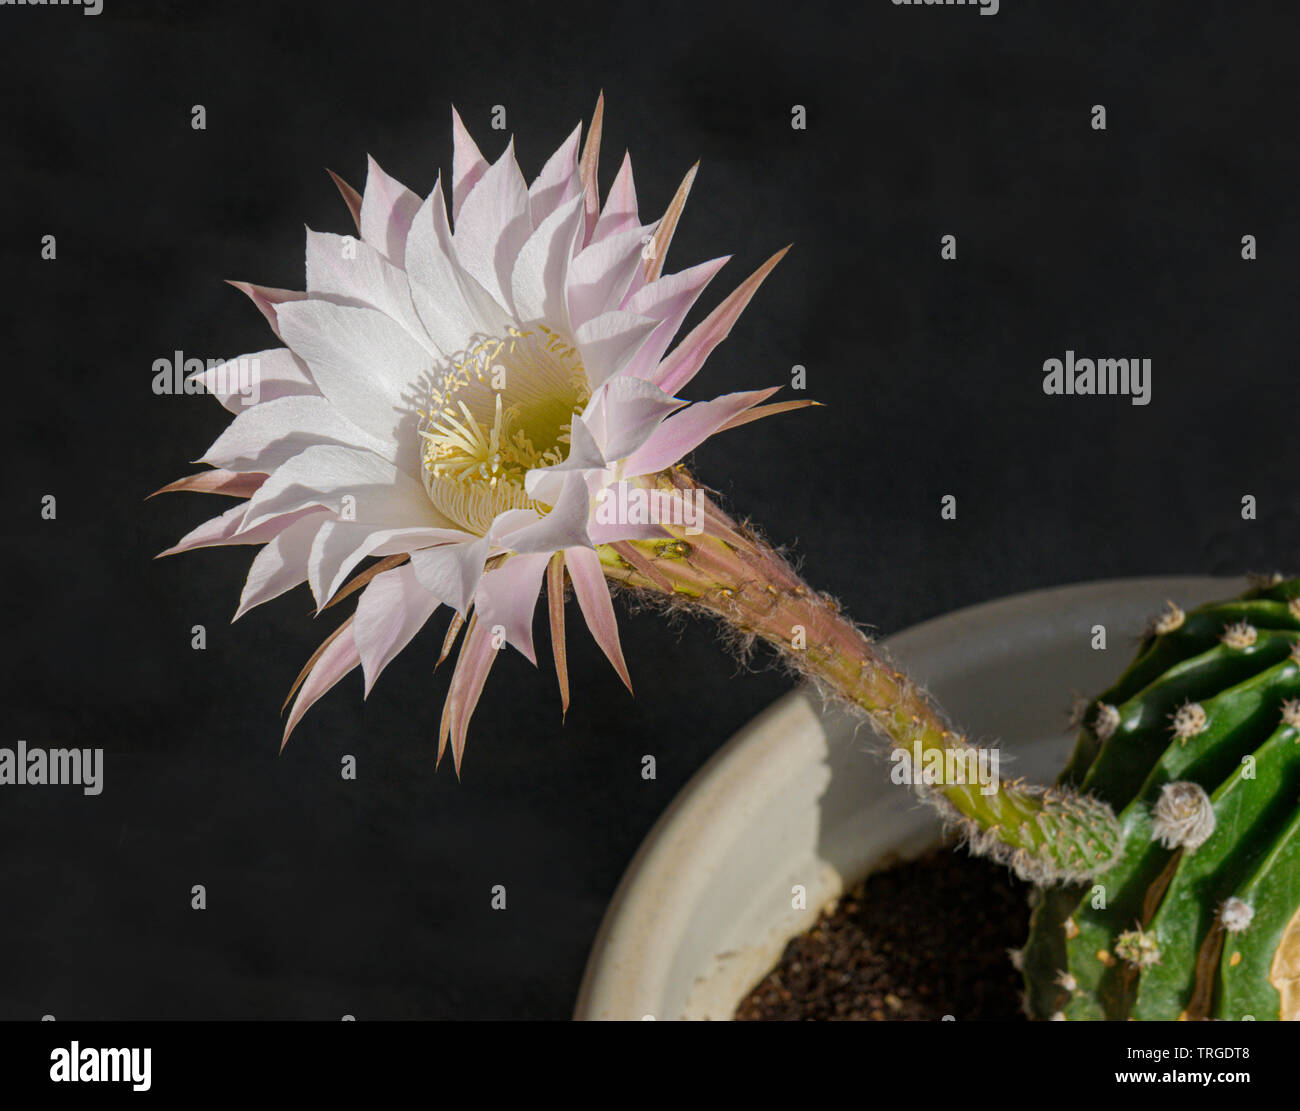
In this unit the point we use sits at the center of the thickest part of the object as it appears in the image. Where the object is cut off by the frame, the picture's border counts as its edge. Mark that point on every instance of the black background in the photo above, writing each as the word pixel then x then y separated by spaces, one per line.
pixel 371 897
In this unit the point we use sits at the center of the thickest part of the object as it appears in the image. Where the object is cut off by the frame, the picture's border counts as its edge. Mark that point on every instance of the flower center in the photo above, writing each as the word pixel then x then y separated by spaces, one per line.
pixel 502 409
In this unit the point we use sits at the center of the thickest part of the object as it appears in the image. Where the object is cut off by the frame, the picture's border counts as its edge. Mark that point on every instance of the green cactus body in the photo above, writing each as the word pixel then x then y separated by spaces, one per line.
pixel 1249 971
pixel 1197 748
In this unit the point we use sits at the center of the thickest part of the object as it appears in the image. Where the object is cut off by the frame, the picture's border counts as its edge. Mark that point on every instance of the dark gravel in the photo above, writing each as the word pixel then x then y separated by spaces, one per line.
pixel 919 941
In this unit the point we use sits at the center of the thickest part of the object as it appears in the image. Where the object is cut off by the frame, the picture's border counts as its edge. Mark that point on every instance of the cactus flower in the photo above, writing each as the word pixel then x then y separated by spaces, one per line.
pixel 454 396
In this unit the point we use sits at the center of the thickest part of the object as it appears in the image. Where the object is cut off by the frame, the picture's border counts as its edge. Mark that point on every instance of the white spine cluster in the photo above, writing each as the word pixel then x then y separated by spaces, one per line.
pixel 1236 915
pixel 1240 634
pixel 1138 948
pixel 1291 713
pixel 1183 816
pixel 1168 621
pixel 1106 721
pixel 1189 720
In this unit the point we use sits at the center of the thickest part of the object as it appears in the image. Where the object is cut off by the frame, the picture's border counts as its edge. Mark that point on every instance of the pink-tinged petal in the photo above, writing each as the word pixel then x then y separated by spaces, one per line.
pixel 467 164
pixel 387 208
pixel 558 182
pixel 346 272
pixel 684 363
pixel 216 481
pixel 555 604
pixel 606 527
pixel 683 432
pixel 229 529
pixel 366 365
pixel 266 298
pixel 451 572
pixel 360 580
pixel 563 526
pixel 589 167
pixel 601 274
pixel 493 225
pixel 454 627
pixel 341 545
pixel 249 380
pixel 619 212
pixel 268 435
pixel 444 725
pixel 281 564
pixel 392 609
pixel 766 411
pixel 664 236
pixel 351 197
pixel 476 657
pixel 624 412
pixel 357 485
pixel 507 598
pixel 541 271
pixel 669 299
pixel 609 341
pixel 592 592
pixel 339 658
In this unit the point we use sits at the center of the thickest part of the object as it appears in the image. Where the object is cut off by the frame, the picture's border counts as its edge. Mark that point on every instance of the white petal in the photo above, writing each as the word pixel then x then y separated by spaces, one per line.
pixel 366 365
pixel 452 305
pixel 252 379
pixel 229 528
pixel 266 436
pixel 467 165
pixel 493 225
pixel 340 545
pixel 281 564
pixel 558 182
pixel 452 571
pixel 564 526
pixel 386 210
pixel 347 272
pixel 609 341
pixel 357 485
pixel 542 268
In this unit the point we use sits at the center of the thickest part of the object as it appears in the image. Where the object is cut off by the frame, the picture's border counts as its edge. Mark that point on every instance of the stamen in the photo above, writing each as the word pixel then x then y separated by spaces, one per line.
pixel 477 451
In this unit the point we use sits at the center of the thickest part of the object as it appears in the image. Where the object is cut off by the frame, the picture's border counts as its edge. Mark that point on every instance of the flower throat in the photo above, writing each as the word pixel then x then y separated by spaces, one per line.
pixel 504 408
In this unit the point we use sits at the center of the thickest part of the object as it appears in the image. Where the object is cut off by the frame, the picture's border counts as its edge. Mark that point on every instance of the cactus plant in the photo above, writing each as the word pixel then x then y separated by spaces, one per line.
pixel 1166 858
pixel 1197 748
